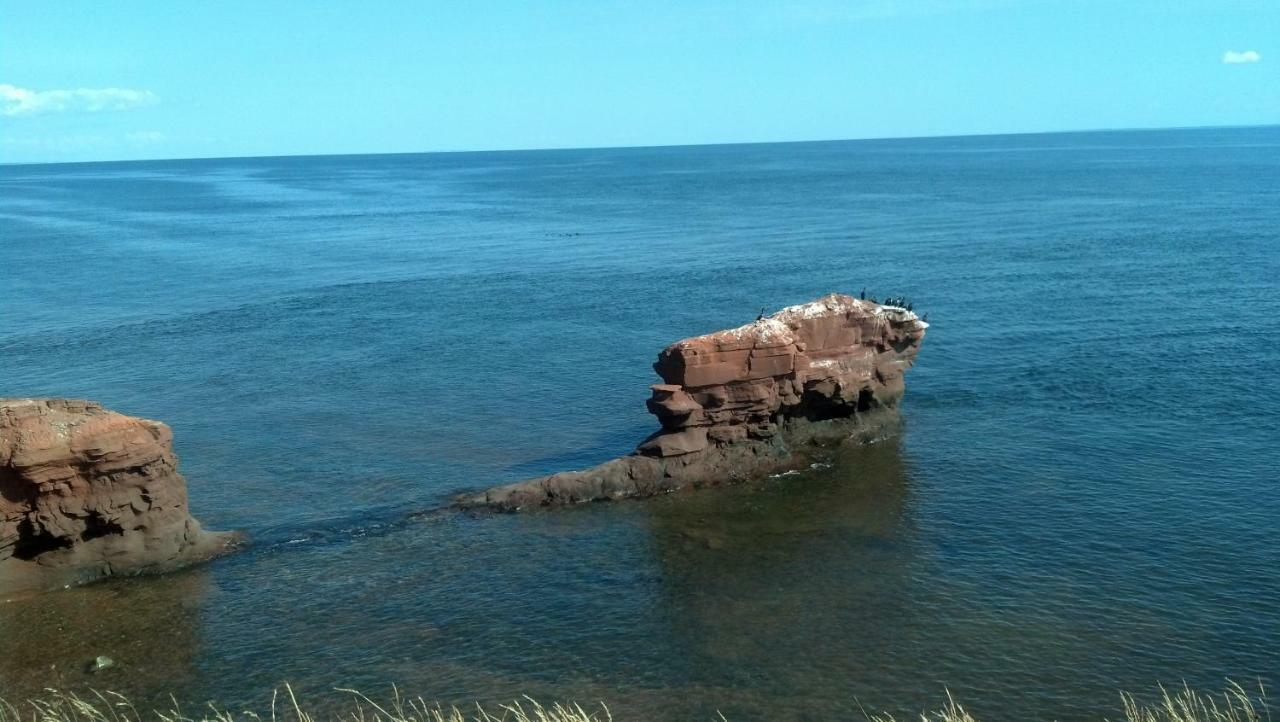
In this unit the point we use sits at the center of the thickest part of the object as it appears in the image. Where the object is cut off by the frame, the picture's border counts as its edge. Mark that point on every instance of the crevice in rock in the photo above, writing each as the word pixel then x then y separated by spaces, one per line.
pixel 903 343
pixel 866 401
pixel 96 526
pixel 817 406
pixel 32 541
pixel 11 488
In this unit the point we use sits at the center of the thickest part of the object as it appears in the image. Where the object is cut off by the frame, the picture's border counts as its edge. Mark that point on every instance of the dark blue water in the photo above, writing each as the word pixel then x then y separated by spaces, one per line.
pixel 1084 497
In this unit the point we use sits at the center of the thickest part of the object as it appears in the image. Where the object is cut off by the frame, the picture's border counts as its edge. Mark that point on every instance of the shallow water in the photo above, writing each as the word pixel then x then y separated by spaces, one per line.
pixel 1082 499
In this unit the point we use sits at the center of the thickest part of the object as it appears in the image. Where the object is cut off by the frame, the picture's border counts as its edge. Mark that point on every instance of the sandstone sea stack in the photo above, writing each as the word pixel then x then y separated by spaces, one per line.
pixel 748 401
pixel 87 493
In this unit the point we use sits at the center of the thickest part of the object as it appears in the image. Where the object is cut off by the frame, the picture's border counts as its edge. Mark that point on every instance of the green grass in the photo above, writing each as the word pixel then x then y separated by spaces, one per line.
pixel 1235 704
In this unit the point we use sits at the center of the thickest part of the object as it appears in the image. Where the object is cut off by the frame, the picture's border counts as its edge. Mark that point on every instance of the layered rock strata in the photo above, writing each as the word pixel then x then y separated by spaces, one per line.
pixel 87 493
pixel 750 400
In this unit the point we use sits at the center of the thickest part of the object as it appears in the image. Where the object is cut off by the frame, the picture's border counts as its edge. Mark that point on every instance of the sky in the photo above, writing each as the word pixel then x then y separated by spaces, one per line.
pixel 134 79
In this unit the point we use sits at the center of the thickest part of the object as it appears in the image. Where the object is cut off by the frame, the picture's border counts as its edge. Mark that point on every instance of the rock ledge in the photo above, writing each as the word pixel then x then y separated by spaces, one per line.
pixel 751 400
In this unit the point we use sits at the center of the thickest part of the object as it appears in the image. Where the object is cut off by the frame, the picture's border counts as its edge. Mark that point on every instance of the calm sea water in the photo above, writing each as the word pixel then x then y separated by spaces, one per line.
pixel 1083 497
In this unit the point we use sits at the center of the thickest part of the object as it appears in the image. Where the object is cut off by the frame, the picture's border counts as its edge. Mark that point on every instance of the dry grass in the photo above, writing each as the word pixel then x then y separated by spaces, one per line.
pixel 953 712
pixel 1183 705
pixel 58 706
pixel 1187 705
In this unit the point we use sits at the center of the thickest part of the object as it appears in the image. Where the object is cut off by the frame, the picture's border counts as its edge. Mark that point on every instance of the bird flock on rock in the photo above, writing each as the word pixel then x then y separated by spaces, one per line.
pixel 899 301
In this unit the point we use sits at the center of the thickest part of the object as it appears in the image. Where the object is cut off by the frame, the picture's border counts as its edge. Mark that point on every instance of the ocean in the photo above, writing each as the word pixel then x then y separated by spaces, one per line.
pixel 1083 497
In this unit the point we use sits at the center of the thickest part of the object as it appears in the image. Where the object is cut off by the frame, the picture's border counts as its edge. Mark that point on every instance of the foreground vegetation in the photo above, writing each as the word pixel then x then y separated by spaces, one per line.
pixel 1184 705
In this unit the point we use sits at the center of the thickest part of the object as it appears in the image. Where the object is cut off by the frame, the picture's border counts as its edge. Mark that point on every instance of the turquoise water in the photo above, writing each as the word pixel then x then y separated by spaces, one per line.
pixel 1083 497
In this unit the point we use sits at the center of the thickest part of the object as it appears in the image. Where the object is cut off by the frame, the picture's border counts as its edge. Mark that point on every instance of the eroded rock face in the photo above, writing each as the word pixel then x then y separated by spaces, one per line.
pixel 87 493
pixel 751 400
pixel 831 358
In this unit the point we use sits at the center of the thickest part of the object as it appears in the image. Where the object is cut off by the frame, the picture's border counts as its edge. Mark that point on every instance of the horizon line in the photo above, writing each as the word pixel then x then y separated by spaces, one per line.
pixel 1133 129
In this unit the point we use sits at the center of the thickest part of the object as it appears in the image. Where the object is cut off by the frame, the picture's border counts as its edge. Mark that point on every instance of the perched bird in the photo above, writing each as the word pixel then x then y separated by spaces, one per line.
pixel 910 307
pixel 863 295
pixel 761 316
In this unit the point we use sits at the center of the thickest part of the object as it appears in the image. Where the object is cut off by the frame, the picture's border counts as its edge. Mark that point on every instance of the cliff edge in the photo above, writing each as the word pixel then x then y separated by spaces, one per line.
pixel 87 493
pixel 749 401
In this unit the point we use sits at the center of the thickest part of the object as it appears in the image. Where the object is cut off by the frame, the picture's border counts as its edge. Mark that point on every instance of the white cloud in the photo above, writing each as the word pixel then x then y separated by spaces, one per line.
pixel 1232 57
pixel 21 101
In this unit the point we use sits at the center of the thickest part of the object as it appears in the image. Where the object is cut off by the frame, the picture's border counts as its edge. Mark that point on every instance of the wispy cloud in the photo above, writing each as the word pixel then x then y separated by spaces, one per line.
pixel 22 101
pixel 1233 57
pixel 58 145
pixel 70 144
pixel 858 10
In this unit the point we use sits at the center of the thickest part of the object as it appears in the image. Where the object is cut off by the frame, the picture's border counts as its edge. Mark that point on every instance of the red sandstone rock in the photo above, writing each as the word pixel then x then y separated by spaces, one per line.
pixel 746 401
pixel 830 358
pixel 87 493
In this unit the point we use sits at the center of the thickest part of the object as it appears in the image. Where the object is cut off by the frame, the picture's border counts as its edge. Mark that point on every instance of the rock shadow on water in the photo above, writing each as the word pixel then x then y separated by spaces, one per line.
pixel 149 627
pixel 815 567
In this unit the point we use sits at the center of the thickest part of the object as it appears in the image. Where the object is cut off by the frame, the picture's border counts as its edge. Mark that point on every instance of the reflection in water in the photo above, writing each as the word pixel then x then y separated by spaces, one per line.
pixel 150 627
pixel 669 607
pixel 804 596
pixel 774 586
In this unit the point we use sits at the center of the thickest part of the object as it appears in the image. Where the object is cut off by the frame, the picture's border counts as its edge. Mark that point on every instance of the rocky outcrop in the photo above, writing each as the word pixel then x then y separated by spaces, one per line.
pixel 87 493
pixel 751 400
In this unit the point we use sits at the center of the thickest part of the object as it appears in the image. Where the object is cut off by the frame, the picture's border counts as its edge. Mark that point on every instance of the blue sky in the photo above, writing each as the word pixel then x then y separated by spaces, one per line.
pixel 126 79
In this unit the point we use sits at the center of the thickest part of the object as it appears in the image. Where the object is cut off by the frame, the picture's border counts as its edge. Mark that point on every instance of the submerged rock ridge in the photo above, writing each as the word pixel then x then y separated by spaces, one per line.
pixel 750 401
pixel 87 493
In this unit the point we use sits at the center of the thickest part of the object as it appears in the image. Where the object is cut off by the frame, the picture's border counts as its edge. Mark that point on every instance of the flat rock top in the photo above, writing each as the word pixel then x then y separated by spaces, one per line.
pixel 784 327
pixel 836 304
pixel 762 333
pixel 26 407
pixel 38 434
